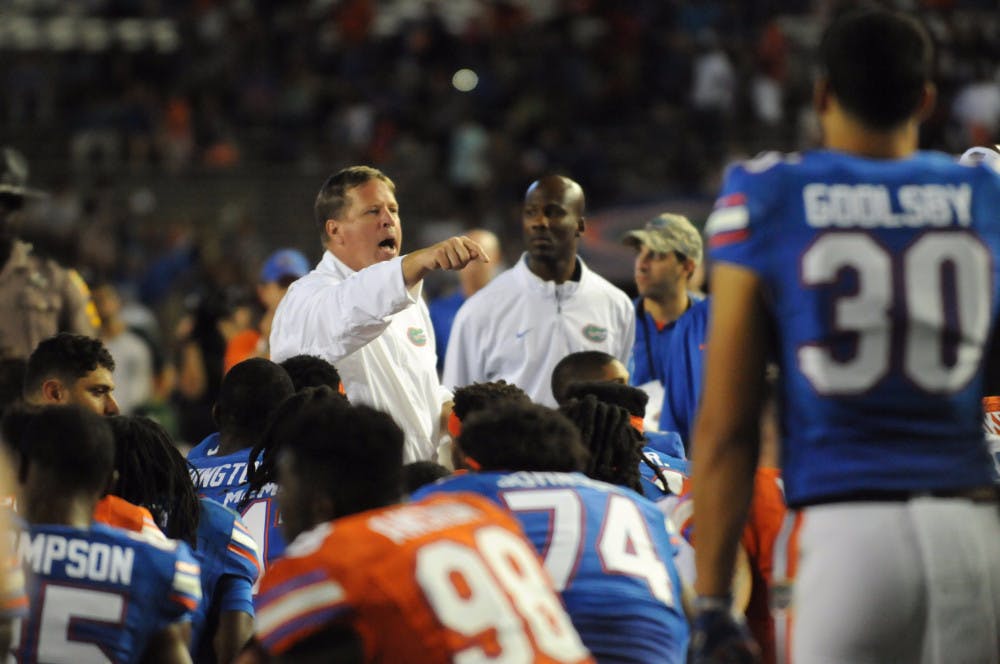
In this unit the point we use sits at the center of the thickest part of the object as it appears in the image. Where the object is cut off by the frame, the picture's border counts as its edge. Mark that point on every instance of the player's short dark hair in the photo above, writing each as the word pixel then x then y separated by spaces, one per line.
pixel 68 357
pixel 311 371
pixel 517 436
pixel 422 473
pixel 332 196
pixel 615 445
pixel 154 474
pixel 630 398
pixel 71 445
pixel 585 365
pixel 877 63
pixel 249 393
pixel 12 370
pixel 472 398
pixel 353 454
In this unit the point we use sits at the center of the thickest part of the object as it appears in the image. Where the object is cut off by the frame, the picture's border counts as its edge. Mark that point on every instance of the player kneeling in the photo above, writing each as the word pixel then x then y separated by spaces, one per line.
pixel 446 579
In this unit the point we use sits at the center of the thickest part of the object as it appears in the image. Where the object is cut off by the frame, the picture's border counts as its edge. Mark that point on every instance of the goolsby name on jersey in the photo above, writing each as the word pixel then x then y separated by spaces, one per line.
pixel 879 206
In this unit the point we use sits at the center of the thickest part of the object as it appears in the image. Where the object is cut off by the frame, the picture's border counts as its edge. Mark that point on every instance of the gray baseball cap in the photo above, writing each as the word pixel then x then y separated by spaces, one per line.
pixel 14 175
pixel 665 233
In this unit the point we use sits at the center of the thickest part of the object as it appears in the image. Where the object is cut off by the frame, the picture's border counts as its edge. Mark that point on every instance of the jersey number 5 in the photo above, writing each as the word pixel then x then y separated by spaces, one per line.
pixel 943 282
pixel 62 607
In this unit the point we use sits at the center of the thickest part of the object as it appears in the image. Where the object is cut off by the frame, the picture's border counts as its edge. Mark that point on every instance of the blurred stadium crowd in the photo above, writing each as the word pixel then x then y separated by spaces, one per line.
pixel 154 124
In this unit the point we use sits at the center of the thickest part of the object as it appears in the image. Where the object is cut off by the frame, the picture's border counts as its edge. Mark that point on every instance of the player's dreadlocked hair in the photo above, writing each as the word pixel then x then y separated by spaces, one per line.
pixel 615 445
pixel 153 473
pixel 283 425
pixel 630 398
pixel 480 396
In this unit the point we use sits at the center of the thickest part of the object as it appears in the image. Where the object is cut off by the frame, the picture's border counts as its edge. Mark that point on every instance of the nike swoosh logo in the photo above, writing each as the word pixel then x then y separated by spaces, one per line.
pixel 522 333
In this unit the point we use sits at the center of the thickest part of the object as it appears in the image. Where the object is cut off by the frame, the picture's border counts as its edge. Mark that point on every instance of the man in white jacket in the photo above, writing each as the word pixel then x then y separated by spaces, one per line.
pixel 549 305
pixel 361 309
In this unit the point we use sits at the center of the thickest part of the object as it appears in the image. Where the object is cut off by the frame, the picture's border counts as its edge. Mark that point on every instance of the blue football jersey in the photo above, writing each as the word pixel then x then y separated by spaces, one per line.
pixel 684 373
pixel 881 280
pixel 224 480
pixel 100 594
pixel 673 469
pixel 608 553
pixel 230 565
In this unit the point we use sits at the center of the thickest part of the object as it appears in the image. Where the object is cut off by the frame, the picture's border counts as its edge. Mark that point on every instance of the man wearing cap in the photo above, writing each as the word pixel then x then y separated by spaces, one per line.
pixel 38 297
pixel 668 252
pixel 549 305
pixel 279 271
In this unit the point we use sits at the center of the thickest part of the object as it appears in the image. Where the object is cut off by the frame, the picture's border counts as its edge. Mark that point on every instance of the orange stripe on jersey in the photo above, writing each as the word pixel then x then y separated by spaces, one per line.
pixel 187 602
pixel 252 557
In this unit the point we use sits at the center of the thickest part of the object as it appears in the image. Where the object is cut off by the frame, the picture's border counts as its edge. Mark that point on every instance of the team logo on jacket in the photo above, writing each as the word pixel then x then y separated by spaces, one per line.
pixel 595 333
pixel 417 336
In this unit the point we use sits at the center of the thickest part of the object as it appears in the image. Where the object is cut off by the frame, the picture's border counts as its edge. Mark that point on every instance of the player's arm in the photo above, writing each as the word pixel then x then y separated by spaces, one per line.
pixel 234 629
pixel 169 645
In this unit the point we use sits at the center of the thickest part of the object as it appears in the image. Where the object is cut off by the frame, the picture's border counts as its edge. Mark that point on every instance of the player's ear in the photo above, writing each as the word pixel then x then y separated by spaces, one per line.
pixel 581 225
pixel 53 391
pixel 216 415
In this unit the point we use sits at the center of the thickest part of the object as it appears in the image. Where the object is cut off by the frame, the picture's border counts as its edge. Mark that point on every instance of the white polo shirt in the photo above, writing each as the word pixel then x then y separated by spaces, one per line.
pixel 378 334
pixel 519 326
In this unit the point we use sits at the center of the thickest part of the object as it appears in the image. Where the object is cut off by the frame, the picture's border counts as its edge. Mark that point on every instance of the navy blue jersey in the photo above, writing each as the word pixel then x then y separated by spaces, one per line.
pixel 224 480
pixel 684 372
pixel 230 565
pixel 881 280
pixel 100 594
pixel 608 553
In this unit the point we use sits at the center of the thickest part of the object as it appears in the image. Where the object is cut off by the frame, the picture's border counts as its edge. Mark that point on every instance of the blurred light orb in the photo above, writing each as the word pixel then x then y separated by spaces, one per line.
pixel 465 80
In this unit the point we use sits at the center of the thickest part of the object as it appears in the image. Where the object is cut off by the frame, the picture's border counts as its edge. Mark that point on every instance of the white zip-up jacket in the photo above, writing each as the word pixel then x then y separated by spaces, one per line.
pixel 378 334
pixel 519 326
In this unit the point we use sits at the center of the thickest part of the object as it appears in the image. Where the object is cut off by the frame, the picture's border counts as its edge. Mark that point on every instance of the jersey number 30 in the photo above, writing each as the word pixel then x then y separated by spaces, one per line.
pixel 943 283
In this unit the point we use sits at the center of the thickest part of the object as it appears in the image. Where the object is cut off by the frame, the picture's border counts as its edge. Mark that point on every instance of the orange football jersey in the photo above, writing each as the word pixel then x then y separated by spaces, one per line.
pixel 431 581
pixel 119 513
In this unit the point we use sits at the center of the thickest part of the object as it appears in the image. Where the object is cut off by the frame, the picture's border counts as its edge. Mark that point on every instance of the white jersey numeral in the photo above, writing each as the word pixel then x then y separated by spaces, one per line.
pixel 945 281
pixel 62 606
pixel 624 543
pixel 496 588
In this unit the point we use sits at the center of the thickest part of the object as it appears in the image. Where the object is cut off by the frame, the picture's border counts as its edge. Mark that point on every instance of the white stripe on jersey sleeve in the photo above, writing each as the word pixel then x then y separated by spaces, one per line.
pixel 300 601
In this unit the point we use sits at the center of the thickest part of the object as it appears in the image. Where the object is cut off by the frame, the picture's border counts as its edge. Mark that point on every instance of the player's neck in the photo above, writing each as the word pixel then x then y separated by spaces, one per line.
pixel 666 310
pixel 844 134
pixel 42 509
pixel 230 444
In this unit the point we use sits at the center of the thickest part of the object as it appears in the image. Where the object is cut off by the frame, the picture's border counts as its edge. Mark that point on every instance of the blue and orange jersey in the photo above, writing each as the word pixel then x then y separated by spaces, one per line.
pixel 449 578
pixel 224 480
pixel 609 555
pixel 880 279
pixel 100 594
pixel 230 567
